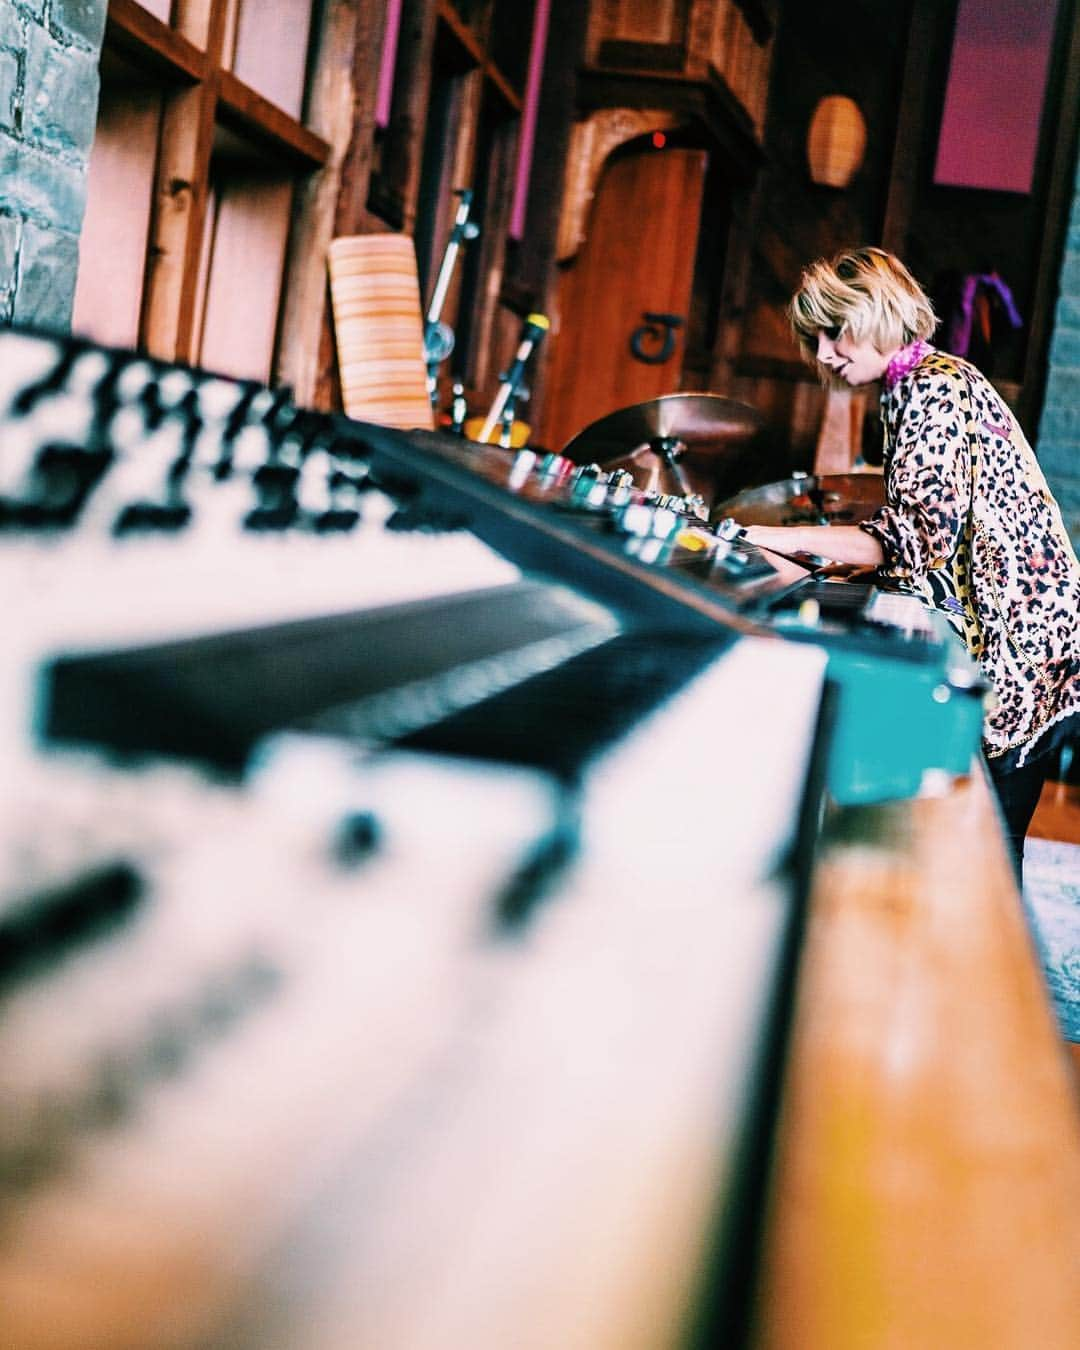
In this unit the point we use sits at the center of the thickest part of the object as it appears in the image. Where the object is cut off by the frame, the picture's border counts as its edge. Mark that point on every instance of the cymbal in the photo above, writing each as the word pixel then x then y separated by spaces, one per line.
pixel 809 499
pixel 704 423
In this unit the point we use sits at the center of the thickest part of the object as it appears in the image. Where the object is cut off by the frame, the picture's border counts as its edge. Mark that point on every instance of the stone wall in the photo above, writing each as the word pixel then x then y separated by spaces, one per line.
pixel 1059 429
pixel 48 105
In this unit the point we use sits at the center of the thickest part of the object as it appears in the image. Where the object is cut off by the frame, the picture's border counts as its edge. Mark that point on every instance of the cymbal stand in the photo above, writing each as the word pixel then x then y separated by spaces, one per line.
pixel 669 449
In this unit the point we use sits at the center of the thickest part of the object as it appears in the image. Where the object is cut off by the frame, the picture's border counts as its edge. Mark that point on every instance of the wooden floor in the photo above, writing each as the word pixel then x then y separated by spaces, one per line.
pixel 1058 817
pixel 1058 814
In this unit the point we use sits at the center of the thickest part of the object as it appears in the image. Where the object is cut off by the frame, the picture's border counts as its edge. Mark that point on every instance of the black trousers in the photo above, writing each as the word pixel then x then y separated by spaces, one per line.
pixel 1018 792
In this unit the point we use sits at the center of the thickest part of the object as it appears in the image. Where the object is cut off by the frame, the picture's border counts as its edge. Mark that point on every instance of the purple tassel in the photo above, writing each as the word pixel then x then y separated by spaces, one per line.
pixel 958 338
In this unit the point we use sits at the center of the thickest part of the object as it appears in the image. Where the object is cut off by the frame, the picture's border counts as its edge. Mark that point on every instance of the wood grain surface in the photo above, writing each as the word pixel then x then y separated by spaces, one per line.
pixel 927 1191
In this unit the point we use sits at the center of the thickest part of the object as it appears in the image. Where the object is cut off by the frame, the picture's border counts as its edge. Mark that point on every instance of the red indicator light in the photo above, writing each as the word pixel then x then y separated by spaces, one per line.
pixel 659 140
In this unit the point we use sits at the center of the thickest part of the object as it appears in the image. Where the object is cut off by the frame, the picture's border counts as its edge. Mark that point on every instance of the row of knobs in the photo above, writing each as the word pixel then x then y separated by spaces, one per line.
pixel 651 521
pixel 611 492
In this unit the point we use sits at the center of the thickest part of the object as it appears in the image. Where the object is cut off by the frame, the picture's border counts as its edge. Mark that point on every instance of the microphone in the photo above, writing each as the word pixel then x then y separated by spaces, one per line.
pixel 535 326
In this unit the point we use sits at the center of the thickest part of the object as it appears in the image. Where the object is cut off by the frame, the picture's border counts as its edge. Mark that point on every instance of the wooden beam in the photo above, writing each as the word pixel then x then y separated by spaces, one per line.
pixel 179 211
pixel 263 120
pixel 131 29
pixel 509 94
pixel 462 33
pixel 331 110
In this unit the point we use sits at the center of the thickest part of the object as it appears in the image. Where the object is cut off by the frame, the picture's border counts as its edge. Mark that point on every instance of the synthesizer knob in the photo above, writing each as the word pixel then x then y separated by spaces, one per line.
pixel 523 464
pixel 357 836
pixel 277 508
pixel 585 478
pixel 62 478
pixel 730 530
pixel 35 935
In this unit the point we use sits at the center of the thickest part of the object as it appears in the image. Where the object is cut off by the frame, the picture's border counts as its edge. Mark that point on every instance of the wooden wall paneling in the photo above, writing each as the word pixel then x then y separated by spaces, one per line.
pixel 394 185
pixel 196 19
pixel 230 24
pixel 710 272
pixel 480 275
pixel 180 193
pixel 717 52
pixel 351 213
pixel 700 25
pixel 650 20
pixel 467 31
pixel 912 117
pixel 246 270
pixel 489 356
pixel 116 226
pixel 271 50
pixel 639 33
pixel 351 87
pixel 789 221
pixel 734 287
pixel 792 409
pixel 206 257
pixel 532 271
pixel 129 28
pixel 331 99
pixel 178 219
pixel 264 121
pixel 159 8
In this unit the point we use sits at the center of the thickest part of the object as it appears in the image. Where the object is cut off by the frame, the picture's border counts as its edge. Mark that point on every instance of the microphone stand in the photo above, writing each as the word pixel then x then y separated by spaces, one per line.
pixel 438 336
pixel 536 325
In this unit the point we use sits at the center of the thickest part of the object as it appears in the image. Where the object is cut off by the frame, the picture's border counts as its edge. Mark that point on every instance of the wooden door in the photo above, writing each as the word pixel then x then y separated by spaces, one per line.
pixel 637 260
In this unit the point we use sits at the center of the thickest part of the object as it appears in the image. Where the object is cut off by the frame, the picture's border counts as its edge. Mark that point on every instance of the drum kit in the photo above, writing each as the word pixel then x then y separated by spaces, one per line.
pixel 682 454
pixel 685 454
pixel 697 452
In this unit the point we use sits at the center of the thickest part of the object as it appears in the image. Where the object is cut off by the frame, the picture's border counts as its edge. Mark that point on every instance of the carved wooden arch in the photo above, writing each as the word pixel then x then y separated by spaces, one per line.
pixel 591 142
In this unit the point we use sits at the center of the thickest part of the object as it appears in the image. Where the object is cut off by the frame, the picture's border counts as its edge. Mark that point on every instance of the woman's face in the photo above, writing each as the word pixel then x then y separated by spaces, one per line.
pixel 854 362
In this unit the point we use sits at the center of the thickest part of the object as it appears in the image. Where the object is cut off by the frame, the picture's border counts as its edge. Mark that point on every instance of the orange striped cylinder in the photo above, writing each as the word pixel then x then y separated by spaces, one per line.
pixel 379 327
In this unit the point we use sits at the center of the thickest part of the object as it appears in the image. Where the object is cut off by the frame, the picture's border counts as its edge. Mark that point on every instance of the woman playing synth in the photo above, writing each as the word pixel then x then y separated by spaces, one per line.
pixel 969 522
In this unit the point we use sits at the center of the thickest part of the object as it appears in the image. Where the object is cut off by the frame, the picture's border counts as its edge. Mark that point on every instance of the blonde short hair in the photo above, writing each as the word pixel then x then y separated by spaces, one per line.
pixel 864 292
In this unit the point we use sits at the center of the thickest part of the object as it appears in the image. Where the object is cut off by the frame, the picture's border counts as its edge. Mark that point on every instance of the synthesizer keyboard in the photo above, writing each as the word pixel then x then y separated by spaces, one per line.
pixel 400 882
pixel 371 1033
pixel 147 507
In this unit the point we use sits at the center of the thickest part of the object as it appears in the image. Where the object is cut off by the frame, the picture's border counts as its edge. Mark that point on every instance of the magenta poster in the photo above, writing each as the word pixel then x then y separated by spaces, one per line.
pixel 994 95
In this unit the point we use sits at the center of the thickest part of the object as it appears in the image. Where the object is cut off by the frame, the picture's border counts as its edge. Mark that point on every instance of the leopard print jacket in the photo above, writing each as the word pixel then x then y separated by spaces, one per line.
pixel 969 523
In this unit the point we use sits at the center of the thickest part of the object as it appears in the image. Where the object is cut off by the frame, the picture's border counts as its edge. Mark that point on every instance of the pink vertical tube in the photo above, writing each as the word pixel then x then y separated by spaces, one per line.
pixel 385 93
pixel 528 118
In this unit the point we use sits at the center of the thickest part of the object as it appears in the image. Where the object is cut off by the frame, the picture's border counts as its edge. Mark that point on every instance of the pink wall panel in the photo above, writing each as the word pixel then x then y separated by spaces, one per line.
pixel 994 97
